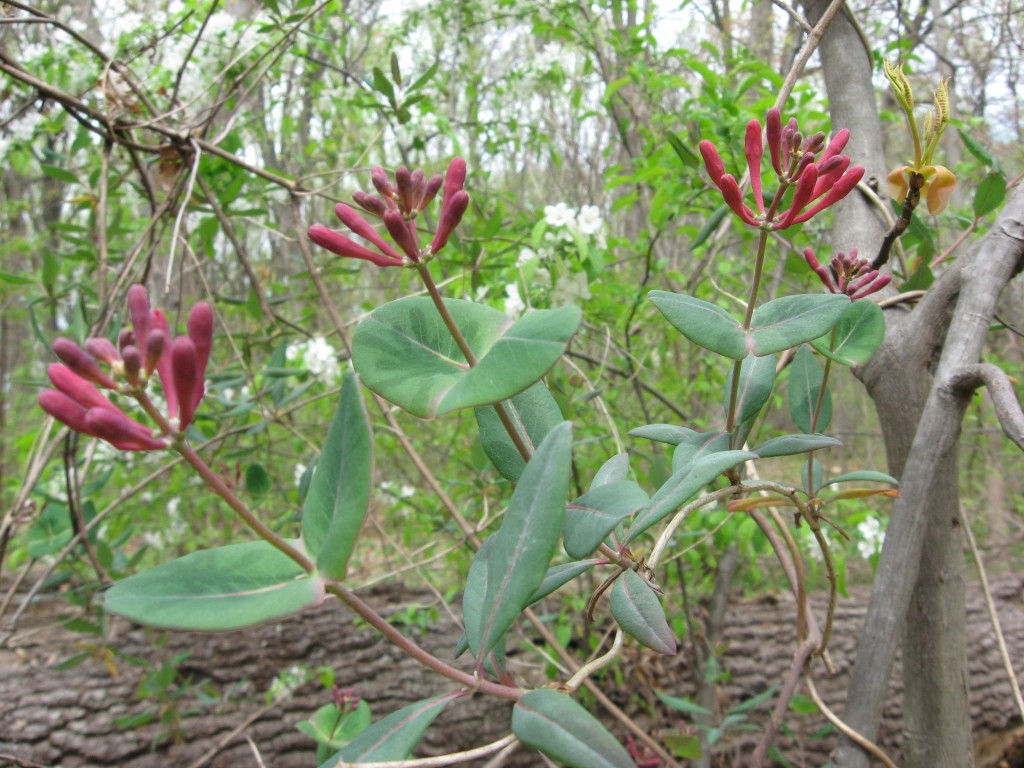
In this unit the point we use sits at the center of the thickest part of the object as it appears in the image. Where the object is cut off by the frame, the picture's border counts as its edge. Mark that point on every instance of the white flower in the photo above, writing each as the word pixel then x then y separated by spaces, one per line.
pixel 514 304
pixel 570 289
pixel 300 470
pixel 589 221
pixel 526 255
pixel 318 356
pixel 872 537
pixel 559 215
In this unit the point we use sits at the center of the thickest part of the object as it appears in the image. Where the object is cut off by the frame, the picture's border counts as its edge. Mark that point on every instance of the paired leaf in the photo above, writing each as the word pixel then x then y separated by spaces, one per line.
pixel 805 378
pixel 640 614
pixel 792 320
pixel 405 353
pixel 394 737
pixel 703 323
pixel 558 575
pixel 518 559
pixel 534 413
pixel 216 589
pixel 696 445
pixel 856 336
pixel 683 485
pixel 790 445
pixel 554 724
pixel 590 518
pixel 339 492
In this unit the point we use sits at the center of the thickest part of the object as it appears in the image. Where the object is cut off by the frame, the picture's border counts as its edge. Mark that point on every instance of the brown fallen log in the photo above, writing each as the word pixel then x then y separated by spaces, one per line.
pixel 215 712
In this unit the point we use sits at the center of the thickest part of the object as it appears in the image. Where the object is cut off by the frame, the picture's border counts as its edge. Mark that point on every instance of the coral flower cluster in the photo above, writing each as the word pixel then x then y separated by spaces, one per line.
pixel 819 181
pixel 397 204
pixel 180 365
pixel 848 274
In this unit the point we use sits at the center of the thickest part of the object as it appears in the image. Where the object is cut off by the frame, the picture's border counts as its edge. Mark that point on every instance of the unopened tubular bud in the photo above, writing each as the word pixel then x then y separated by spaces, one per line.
pixel 773 133
pixel 802 196
pixel 454 179
pixel 418 182
pixel 754 150
pixel 399 231
pixel 63 409
pixel 369 203
pixel 200 332
pixel 343 246
pixel 430 190
pixel 125 337
pixel 103 350
pixel 78 361
pixel 734 199
pixel 360 226
pixel 132 364
pixel 184 368
pixel 77 388
pixel 837 144
pixel 451 215
pixel 139 312
pixel 123 432
pixel 164 367
pixel 155 343
pixel 713 162
pixel 403 181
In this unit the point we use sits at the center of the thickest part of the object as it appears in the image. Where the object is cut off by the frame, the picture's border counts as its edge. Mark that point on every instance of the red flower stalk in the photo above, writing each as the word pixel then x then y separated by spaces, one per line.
pixel 181 367
pixel 819 183
pixel 848 274
pixel 398 204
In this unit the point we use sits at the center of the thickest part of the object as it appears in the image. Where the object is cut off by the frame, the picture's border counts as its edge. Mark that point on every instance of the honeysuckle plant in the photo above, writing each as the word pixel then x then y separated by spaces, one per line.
pixel 434 355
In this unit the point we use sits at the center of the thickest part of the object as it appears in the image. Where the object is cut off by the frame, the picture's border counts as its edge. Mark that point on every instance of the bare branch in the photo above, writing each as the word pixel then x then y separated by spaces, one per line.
pixel 1000 389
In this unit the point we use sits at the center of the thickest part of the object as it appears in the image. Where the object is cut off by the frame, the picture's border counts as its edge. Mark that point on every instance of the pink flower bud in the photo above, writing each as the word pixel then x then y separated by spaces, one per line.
pixel 874 286
pixel 163 365
pixel 403 181
pixel 77 388
pixel 839 190
pixel 773 132
pixel 78 361
pixel 103 350
pixel 351 219
pixel 185 370
pixel 369 203
pixel 451 215
pixel 125 337
pixel 454 180
pixel 754 151
pixel 430 190
pixel 401 234
pixel 64 409
pixel 343 246
pixel 132 364
pixel 713 162
pixel 836 145
pixel 418 184
pixel 820 271
pixel 155 343
pixel 380 180
pixel 734 199
pixel 121 431
pixel 139 312
pixel 802 196
pixel 200 332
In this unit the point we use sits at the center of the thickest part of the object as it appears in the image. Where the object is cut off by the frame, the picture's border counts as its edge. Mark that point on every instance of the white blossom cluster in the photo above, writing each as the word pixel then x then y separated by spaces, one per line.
pixel 318 357
pixel 871 537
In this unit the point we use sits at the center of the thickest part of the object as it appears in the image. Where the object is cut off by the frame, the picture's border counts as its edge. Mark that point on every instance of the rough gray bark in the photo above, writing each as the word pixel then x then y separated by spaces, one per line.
pixel 65 718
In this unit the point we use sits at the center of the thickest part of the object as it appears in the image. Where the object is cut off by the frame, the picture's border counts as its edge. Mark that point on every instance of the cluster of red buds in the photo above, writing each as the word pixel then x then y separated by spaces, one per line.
pixel 848 274
pixel 397 204
pixel 345 699
pixel 146 347
pixel 820 181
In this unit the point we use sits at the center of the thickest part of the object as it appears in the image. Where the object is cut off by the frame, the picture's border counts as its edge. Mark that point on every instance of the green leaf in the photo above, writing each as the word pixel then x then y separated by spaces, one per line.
pixel 663 433
pixel 712 223
pixel 334 730
pixel 696 445
pixel 686 155
pixel 864 475
pixel 216 589
pixel 524 544
pixel 590 518
pixel 395 736
pixel 554 724
pixel 790 445
pixel 921 280
pixel 339 492
pixel 558 575
pixel 856 336
pixel 805 378
pixel 976 149
pixel 706 325
pixel 257 481
pixel 615 470
pixel 683 485
pixel 404 353
pixel 792 320
pixel 685 706
pixel 990 195
pixel 383 86
pixel 639 612
pixel 60 174
pixel 757 377
pixel 534 413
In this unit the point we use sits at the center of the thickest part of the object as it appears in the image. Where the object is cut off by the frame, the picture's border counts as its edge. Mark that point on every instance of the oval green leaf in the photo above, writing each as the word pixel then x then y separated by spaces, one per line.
pixel 554 724
pixel 790 445
pixel 239 585
pixel 590 518
pixel 405 353
pixel 805 379
pixel 523 546
pixel 640 614
pixel 703 323
pixel 559 575
pixel 864 475
pixel 395 736
pixel 663 433
pixel 792 320
pixel 856 336
pixel 534 413
pixel 339 492
pixel 683 485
